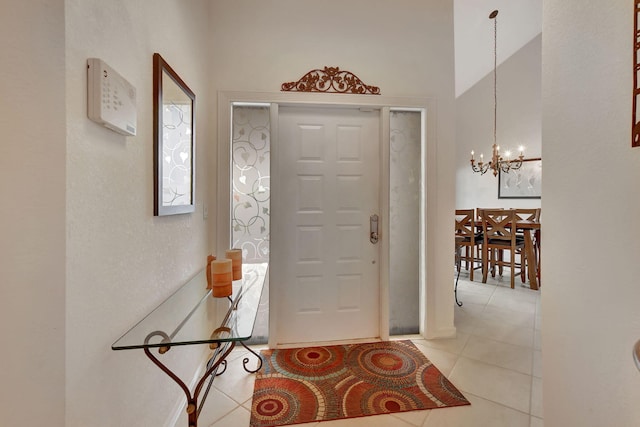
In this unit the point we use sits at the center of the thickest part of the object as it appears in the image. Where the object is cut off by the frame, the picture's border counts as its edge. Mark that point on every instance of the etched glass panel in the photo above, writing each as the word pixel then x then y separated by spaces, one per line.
pixel 404 243
pixel 251 149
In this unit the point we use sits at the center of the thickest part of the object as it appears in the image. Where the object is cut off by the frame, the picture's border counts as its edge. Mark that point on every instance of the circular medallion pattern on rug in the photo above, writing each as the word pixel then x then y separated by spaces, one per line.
pixel 437 387
pixel 395 366
pixel 286 400
pixel 302 385
pixel 364 399
pixel 312 362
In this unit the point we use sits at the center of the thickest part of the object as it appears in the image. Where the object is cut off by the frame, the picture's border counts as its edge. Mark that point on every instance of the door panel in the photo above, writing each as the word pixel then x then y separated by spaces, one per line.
pixel 329 179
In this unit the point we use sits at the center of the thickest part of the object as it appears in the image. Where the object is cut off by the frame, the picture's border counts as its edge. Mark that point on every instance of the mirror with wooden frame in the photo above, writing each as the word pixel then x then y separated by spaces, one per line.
pixel 174 141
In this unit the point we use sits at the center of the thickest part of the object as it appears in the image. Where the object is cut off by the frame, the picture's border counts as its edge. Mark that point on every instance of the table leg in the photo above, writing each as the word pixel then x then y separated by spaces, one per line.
pixel 532 268
pixel 192 399
pixel 536 243
pixel 246 360
pixel 485 264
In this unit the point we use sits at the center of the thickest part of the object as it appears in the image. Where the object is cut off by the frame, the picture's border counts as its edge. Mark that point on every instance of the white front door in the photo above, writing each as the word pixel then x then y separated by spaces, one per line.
pixel 328 176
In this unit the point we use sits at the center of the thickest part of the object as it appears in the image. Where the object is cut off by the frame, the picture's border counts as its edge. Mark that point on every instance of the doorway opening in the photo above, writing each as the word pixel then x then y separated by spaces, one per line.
pixel 249 131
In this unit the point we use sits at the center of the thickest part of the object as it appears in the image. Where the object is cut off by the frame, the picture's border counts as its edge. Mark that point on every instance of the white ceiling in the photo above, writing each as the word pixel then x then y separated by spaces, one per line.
pixel 519 21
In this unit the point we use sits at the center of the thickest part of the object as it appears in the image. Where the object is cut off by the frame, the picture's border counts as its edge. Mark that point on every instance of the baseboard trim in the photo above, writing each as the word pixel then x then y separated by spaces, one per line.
pixel 328 343
pixel 442 333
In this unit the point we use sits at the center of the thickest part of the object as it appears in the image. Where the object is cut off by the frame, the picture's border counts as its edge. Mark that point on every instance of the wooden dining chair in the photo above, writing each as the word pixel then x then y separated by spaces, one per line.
pixel 532 214
pixel 498 254
pixel 479 213
pixel 500 235
pixel 468 237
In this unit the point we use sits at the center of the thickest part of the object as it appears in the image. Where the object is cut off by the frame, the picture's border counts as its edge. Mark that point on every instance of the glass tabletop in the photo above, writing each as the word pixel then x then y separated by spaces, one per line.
pixel 188 316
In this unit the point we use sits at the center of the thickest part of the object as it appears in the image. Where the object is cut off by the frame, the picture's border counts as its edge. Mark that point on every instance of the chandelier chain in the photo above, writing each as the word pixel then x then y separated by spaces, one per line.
pixel 495 78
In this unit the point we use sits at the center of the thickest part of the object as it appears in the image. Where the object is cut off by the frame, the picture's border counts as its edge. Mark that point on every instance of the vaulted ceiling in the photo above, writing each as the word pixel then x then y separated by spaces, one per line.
pixel 519 21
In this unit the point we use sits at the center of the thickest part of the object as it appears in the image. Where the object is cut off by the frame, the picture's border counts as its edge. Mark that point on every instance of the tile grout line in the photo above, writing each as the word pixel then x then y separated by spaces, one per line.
pixel 531 349
pixel 472 333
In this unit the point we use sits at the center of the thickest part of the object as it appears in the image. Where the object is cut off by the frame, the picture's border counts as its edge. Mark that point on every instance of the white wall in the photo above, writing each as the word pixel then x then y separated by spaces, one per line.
pixel 32 213
pixel 518 123
pixel 406 51
pixel 591 243
pixel 121 260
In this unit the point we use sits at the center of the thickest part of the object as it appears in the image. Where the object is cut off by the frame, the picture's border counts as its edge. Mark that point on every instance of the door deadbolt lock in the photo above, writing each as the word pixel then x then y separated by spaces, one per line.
pixel 373 229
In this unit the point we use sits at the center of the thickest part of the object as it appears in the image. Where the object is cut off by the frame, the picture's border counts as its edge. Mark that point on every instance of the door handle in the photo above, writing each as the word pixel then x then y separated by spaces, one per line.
pixel 373 229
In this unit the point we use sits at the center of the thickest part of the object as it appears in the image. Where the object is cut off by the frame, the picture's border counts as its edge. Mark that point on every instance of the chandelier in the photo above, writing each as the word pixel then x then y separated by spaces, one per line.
pixel 499 161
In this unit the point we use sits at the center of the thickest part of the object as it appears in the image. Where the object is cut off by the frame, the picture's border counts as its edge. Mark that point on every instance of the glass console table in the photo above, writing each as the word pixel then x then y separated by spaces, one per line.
pixel 184 319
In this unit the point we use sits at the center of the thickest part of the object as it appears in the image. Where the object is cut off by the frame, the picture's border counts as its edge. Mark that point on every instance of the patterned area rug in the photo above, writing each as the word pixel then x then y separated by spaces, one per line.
pixel 302 385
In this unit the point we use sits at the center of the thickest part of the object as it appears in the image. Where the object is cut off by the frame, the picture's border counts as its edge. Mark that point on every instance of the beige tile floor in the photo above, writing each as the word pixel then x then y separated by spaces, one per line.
pixel 495 360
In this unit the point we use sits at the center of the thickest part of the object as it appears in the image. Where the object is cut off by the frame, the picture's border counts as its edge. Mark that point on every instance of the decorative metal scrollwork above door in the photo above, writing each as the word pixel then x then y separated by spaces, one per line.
pixel 331 79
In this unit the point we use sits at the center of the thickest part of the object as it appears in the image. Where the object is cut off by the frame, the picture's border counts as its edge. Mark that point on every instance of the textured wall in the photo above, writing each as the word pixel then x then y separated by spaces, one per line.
pixel 121 260
pixel 591 207
pixel 32 185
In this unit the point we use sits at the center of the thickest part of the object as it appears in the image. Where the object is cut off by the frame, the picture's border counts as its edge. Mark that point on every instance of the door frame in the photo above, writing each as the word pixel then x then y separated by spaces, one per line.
pixel 226 100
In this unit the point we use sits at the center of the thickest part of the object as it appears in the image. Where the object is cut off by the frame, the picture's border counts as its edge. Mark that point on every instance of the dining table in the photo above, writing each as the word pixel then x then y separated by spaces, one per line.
pixel 533 269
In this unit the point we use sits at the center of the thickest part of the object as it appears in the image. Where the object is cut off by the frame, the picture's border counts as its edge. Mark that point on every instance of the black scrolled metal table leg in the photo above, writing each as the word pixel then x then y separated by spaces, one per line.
pixel 246 360
pixel 458 259
pixel 455 289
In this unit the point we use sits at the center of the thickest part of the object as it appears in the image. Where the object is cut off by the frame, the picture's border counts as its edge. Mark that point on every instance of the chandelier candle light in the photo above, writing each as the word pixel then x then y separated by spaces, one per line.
pixel 497 162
